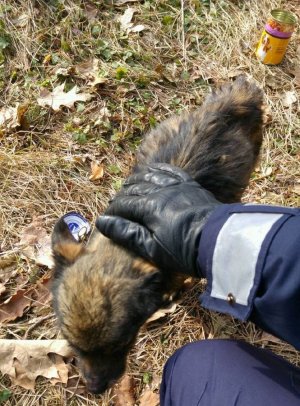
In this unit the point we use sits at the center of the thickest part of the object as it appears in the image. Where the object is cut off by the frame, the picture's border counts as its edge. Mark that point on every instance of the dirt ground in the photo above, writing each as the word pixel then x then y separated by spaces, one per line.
pixel 130 73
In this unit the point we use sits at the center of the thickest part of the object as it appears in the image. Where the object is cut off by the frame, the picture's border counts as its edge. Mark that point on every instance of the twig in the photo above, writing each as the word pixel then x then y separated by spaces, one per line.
pixel 183 34
pixel 31 328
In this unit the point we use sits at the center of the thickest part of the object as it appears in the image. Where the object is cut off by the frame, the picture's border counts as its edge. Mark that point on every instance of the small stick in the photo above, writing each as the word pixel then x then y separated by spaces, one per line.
pixel 31 328
pixel 183 33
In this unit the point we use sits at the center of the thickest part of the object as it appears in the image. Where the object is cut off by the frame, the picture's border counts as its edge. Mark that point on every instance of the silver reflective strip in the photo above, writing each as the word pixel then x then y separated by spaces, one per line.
pixel 236 253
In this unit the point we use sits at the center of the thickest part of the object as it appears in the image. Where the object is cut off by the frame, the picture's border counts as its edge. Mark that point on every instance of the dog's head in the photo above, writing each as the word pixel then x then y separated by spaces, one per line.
pixel 102 296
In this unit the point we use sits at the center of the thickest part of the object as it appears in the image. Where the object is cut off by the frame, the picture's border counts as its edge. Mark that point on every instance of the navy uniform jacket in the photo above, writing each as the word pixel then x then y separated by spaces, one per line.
pixel 250 255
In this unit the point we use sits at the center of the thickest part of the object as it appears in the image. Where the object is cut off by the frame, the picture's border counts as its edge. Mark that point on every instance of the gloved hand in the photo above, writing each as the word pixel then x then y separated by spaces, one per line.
pixel 159 214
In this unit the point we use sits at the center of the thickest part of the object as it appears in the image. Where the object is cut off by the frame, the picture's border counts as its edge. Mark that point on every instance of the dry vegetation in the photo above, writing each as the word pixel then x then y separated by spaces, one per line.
pixel 186 48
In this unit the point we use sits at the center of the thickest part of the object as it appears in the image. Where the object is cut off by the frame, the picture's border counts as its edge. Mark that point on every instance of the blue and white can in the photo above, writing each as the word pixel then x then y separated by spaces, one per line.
pixel 78 225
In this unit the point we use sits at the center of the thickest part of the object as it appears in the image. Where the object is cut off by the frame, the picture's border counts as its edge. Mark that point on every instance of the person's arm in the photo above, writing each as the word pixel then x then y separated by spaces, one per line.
pixel 250 254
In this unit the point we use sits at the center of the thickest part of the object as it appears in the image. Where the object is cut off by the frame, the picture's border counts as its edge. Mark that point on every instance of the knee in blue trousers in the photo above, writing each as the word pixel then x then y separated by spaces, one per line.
pixel 228 373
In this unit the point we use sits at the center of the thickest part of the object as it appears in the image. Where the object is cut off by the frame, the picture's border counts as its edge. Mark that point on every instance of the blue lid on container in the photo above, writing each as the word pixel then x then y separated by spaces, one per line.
pixel 78 225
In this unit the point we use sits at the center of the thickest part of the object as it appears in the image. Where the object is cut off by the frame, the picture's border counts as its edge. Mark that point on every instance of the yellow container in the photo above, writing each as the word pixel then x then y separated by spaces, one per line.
pixel 275 37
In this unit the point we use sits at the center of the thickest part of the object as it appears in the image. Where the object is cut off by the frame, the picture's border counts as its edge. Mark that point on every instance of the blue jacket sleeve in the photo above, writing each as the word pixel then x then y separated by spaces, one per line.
pixel 250 255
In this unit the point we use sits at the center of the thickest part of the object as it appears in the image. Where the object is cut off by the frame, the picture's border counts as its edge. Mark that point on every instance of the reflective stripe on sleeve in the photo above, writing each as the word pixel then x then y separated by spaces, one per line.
pixel 236 252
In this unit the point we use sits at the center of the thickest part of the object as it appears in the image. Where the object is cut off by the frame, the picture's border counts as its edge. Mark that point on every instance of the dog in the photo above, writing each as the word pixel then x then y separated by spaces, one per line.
pixel 102 292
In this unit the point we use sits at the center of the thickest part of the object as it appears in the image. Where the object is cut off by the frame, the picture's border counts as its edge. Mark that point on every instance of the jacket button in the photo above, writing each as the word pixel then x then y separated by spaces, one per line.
pixel 230 299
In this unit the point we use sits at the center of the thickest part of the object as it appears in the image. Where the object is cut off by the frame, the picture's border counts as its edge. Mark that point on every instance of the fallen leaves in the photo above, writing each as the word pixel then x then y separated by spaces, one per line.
pixel 270 338
pixel 90 11
pixel 12 118
pixel 35 243
pixel 125 19
pixel 14 307
pixel 162 312
pixel 264 172
pixel 149 398
pixel 36 295
pixel 97 171
pixel 24 360
pixel 137 28
pixel 89 70
pixel 58 97
pixel 267 171
pixel 125 392
pixel 289 98
pixel 126 24
pixel 6 270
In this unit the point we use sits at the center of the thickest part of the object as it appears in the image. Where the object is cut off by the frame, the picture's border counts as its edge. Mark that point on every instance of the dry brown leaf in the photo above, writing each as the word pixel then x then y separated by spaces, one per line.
pixel 33 232
pixel 97 171
pixel 90 70
pixel 270 338
pixel 125 392
pixel 263 172
pixel 289 98
pixel 15 306
pixel 40 293
pixel 58 70
pixel 62 368
pixel 90 11
pixel 24 360
pixel 125 19
pixel 102 117
pixel 266 172
pixel 35 243
pixel 162 312
pixel 99 80
pixel 37 295
pixel 87 69
pixel 12 117
pixel 7 271
pixel 137 28
pixel 126 24
pixel 58 97
pixel 149 398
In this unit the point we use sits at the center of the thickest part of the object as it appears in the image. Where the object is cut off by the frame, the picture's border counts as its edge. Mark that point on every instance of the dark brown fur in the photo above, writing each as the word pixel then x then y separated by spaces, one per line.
pixel 103 293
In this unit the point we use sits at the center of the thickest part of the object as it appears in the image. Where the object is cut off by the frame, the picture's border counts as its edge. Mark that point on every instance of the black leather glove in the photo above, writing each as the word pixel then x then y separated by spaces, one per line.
pixel 159 214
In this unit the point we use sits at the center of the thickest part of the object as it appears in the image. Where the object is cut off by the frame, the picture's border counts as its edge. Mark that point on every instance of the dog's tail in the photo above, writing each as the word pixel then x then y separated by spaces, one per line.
pixel 218 145
pixel 239 106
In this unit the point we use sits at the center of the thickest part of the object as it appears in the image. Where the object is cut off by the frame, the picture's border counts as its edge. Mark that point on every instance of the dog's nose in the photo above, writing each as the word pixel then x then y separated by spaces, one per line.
pixel 96 386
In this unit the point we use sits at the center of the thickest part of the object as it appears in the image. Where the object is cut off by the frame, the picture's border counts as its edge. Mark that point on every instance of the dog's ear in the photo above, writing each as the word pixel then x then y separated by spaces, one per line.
pixel 151 292
pixel 65 248
pixel 153 280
